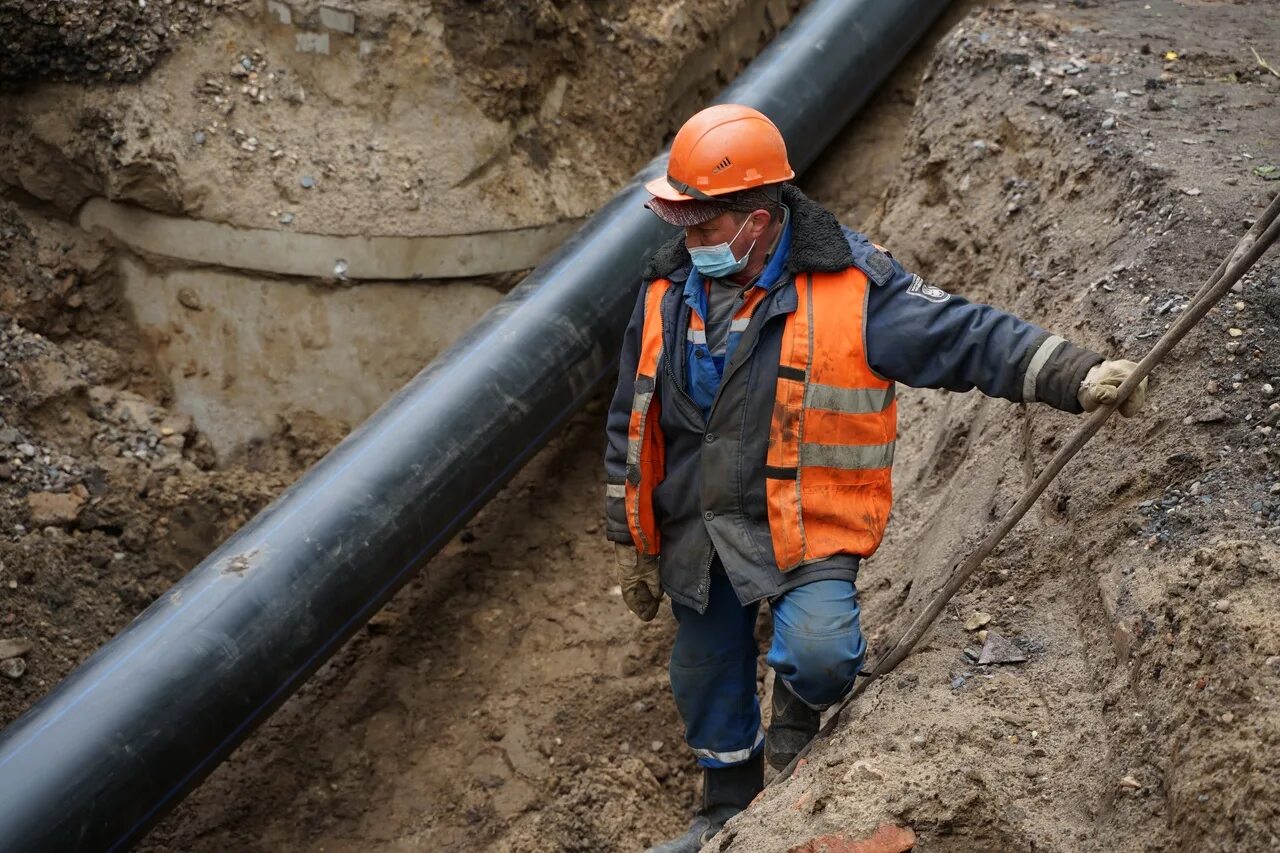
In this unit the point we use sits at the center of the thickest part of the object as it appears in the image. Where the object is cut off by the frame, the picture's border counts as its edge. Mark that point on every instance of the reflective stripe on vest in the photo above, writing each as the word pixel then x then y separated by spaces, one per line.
pixel 828 481
pixel 646 448
pixel 831 437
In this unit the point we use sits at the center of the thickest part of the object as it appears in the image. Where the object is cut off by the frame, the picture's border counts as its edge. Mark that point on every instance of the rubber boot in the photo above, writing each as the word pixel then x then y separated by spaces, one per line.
pixel 791 727
pixel 725 792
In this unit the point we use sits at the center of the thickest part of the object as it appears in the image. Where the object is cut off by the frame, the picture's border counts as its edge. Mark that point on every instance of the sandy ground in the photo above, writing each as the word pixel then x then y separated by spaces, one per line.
pixel 1055 162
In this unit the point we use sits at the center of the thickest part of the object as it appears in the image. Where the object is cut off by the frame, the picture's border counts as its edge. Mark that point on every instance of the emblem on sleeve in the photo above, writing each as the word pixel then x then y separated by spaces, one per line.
pixel 920 287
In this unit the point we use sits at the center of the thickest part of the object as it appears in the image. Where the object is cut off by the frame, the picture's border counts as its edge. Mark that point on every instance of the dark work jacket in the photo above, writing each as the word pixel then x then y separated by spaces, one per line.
pixel 712 500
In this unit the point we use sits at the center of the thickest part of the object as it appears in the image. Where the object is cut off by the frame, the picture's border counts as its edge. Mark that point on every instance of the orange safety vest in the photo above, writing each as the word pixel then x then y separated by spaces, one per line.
pixel 832 434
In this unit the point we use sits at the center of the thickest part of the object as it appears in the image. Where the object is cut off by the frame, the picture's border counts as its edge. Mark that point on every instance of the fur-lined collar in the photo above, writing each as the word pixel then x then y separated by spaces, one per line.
pixel 817 243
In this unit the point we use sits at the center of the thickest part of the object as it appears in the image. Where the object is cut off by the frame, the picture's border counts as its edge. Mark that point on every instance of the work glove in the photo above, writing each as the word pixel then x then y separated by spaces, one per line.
pixel 638 577
pixel 1101 382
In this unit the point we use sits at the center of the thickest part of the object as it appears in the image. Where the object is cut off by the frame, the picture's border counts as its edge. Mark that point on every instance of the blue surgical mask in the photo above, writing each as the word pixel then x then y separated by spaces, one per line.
pixel 718 261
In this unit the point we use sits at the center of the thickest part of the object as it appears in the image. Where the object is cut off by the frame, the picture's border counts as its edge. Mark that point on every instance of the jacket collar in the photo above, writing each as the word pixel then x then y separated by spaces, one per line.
pixel 817 243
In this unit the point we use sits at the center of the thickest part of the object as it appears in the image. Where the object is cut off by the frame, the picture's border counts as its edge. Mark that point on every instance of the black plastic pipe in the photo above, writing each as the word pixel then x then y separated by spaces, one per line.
pixel 118 743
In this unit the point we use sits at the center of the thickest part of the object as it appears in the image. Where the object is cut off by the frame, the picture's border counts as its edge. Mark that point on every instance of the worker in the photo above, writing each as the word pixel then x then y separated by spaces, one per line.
pixel 751 436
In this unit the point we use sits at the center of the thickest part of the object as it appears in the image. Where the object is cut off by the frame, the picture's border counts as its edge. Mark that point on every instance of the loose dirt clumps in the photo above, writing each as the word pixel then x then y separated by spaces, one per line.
pixel 1086 168
pixel 105 40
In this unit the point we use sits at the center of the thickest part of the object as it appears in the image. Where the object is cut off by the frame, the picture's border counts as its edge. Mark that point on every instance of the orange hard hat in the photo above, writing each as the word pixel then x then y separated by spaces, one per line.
pixel 720 150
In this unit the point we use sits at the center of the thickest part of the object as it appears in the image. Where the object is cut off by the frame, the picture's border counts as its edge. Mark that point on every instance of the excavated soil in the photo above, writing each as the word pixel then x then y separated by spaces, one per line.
pixel 1085 165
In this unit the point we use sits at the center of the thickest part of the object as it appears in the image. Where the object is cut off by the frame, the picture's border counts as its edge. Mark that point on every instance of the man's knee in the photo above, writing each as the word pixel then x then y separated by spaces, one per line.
pixel 818 646
pixel 818 668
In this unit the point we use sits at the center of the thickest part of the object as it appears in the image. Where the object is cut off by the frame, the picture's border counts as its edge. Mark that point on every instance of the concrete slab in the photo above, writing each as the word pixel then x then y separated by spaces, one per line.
pixel 338 19
pixel 312 43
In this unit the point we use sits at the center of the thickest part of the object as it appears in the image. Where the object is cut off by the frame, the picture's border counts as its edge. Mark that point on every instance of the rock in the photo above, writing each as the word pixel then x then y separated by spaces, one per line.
pixel 307 182
pixel 199 137
pixel 13 668
pixel 1212 413
pixel 1228 717
pixel 1109 123
pixel 27 450
pixel 863 770
pixel 1234 332
pixel 50 508
pixel 1222 605
pixel 1130 782
pixel 188 298
pixel 286 218
pixel 998 650
pixel 977 620
pixel 14 648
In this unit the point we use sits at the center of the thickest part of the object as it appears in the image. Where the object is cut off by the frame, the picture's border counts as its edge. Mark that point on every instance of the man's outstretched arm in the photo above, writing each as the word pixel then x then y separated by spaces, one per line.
pixel 922 336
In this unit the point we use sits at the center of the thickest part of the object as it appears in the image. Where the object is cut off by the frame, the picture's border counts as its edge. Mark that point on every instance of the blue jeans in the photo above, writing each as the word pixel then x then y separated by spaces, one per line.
pixel 817 650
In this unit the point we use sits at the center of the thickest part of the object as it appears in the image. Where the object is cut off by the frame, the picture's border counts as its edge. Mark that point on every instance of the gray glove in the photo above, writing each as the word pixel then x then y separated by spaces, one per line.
pixel 638 577
pixel 1102 380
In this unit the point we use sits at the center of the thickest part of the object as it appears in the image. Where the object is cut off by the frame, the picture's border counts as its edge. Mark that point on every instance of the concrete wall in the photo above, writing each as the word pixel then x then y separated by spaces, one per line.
pixel 242 350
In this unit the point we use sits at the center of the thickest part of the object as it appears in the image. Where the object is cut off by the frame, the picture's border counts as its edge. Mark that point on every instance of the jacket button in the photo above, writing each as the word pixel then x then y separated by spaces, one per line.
pixel 708 515
pixel 710 438
pixel 699 353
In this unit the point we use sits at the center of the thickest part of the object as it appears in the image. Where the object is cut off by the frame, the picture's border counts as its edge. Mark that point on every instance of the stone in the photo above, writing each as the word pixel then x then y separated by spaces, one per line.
pixel 1109 123
pixel 13 668
pixel 977 620
pixel 338 19
pixel 1222 605
pixel 14 648
pixel 307 182
pixel 52 508
pixel 188 298
pixel 998 650
pixel 311 43
pixel 283 13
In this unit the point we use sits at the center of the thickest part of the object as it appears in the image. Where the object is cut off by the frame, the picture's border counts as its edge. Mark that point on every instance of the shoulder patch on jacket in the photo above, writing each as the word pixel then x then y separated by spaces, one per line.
pixel 875 263
pixel 920 287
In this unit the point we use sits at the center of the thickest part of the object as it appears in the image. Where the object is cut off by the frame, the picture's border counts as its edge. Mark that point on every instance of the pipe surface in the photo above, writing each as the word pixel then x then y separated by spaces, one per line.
pixel 118 743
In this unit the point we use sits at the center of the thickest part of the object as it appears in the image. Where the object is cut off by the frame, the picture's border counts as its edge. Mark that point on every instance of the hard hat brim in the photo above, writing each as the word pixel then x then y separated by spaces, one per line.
pixel 684 213
pixel 659 188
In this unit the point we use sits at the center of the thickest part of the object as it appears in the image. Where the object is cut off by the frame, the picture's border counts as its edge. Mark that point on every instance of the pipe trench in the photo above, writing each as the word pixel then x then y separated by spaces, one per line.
pixel 117 744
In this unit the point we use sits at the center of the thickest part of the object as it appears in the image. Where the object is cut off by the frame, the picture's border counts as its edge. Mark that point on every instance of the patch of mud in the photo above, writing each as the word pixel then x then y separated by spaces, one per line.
pixel 1085 168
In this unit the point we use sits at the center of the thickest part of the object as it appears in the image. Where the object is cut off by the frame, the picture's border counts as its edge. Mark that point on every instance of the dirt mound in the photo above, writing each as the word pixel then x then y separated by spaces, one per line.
pixel 1086 168
pixel 106 40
